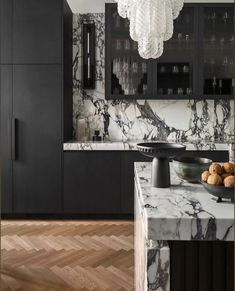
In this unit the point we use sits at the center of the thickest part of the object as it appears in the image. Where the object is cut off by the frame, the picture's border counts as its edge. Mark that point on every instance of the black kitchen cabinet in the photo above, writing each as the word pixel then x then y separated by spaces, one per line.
pixel 127 74
pixel 32 32
pixel 6 91
pixel 92 183
pixel 216 70
pixel 37 139
pixel 36 104
pixel 102 182
pixel 197 61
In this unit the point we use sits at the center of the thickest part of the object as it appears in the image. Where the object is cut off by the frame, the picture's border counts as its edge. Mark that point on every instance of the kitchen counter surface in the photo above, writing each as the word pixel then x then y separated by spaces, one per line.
pixel 182 212
pixel 131 146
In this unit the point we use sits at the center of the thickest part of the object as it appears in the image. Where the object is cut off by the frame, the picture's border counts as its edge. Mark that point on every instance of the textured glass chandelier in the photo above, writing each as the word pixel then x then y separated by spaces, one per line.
pixel 151 23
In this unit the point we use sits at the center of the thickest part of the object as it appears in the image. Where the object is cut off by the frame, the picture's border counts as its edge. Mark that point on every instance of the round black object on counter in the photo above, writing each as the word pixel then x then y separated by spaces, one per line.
pixel 160 152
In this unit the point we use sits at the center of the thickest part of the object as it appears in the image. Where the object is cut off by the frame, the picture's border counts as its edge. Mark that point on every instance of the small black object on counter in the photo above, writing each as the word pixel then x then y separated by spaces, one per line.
pixel 161 153
pixel 97 136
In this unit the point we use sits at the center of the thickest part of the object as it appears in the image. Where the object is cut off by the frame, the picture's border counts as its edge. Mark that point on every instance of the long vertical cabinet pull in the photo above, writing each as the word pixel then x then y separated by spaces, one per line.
pixel 13 139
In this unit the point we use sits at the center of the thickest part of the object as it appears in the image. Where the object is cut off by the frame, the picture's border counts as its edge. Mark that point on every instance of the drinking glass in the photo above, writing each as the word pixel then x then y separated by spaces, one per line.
pixel 213 18
pixel 189 91
pixel 185 69
pixel 145 89
pixel 180 91
pixel 225 17
pixel 175 70
pixel 118 45
pixel 144 68
pixel 127 45
pixel 170 91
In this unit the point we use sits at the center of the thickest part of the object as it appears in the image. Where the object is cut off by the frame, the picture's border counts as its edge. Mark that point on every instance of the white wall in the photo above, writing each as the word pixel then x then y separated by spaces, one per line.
pixel 97 6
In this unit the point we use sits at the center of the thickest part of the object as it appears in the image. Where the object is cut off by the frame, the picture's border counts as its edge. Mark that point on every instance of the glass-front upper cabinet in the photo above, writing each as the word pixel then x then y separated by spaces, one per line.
pixel 217 68
pixel 127 74
pixel 175 71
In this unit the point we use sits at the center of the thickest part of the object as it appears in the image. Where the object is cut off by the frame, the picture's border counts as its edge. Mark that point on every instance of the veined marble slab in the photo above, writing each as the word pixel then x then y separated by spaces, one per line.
pixel 131 146
pixel 182 212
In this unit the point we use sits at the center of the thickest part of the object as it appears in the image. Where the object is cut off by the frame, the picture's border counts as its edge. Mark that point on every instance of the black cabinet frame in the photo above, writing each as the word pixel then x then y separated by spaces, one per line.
pixel 197 60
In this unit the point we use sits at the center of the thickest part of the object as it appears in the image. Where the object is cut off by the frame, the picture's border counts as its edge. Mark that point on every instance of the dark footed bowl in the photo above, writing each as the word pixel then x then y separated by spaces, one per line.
pixel 160 152
pixel 219 191
pixel 160 149
pixel 190 168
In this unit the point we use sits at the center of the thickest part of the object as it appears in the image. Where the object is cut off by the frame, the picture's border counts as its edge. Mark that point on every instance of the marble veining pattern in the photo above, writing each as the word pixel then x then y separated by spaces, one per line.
pixel 128 120
pixel 131 146
pixel 184 211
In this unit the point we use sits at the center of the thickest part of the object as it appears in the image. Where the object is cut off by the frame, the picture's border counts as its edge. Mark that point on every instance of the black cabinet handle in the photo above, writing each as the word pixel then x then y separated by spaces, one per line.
pixel 13 138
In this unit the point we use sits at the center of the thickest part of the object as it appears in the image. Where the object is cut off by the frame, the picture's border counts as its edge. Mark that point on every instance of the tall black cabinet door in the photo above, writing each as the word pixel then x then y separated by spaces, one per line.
pixel 6 9
pixel 5 138
pixel 37 144
pixel 37 33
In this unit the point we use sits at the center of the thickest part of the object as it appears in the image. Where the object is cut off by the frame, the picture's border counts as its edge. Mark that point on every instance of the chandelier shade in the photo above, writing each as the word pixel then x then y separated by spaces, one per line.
pixel 151 23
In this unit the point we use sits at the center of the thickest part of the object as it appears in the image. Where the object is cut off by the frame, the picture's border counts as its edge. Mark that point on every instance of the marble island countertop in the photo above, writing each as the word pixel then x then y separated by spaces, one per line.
pixel 182 212
pixel 131 145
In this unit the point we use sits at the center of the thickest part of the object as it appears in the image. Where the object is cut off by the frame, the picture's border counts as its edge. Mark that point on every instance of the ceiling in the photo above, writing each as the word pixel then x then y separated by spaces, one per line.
pixel 96 6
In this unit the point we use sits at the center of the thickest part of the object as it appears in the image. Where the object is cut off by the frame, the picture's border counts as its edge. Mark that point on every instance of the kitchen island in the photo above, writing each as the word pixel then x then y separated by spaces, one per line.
pixel 183 212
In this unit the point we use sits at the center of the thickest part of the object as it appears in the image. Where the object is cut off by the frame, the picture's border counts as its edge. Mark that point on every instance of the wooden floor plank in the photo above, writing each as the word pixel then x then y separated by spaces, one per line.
pixel 67 255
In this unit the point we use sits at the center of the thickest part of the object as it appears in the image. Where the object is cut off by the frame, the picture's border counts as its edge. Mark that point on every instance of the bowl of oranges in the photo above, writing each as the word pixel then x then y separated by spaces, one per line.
pixel 219 180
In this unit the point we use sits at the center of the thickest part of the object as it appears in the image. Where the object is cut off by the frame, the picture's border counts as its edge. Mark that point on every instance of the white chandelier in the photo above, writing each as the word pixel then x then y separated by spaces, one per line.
pixel 151 23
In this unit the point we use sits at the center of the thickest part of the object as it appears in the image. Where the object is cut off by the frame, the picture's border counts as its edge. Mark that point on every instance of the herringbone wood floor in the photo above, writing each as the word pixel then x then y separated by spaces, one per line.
pixel 67 255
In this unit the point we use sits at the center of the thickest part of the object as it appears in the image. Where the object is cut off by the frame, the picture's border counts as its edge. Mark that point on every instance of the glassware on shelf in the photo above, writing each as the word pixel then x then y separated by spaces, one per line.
pixel 214 84
pixel 144 67
pixel 169 91
pixel 189 91
pixel 213 40
pixel 212 65
pixel 175 70
pixel 127 45
pixel 145 89
pixel 231 40
pixel 213 18
pixel 160 91
pixel 180 91
pixel 185 69
pixel 222 42
pixel 187 41
pixel 118 45
pixel 135 46
pixel 225 17
pixel 225 64
pixel 128 74
pixel 180 37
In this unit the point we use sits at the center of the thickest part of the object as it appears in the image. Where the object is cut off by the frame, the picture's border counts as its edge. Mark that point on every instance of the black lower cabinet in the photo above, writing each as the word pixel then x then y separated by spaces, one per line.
pixel 92 183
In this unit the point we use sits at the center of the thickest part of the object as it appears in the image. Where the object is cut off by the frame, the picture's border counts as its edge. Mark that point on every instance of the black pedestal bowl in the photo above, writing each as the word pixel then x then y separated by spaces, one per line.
pixel 161 153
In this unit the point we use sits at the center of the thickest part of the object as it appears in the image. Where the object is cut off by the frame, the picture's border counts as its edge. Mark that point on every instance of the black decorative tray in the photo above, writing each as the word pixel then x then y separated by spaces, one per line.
pixel 219 191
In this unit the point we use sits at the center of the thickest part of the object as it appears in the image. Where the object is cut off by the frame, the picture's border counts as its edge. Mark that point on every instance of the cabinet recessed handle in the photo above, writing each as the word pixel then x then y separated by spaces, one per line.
pixel 13 138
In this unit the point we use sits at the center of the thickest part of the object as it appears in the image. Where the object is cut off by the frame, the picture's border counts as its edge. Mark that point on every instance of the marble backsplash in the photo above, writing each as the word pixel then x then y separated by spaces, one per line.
pixel 129 120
